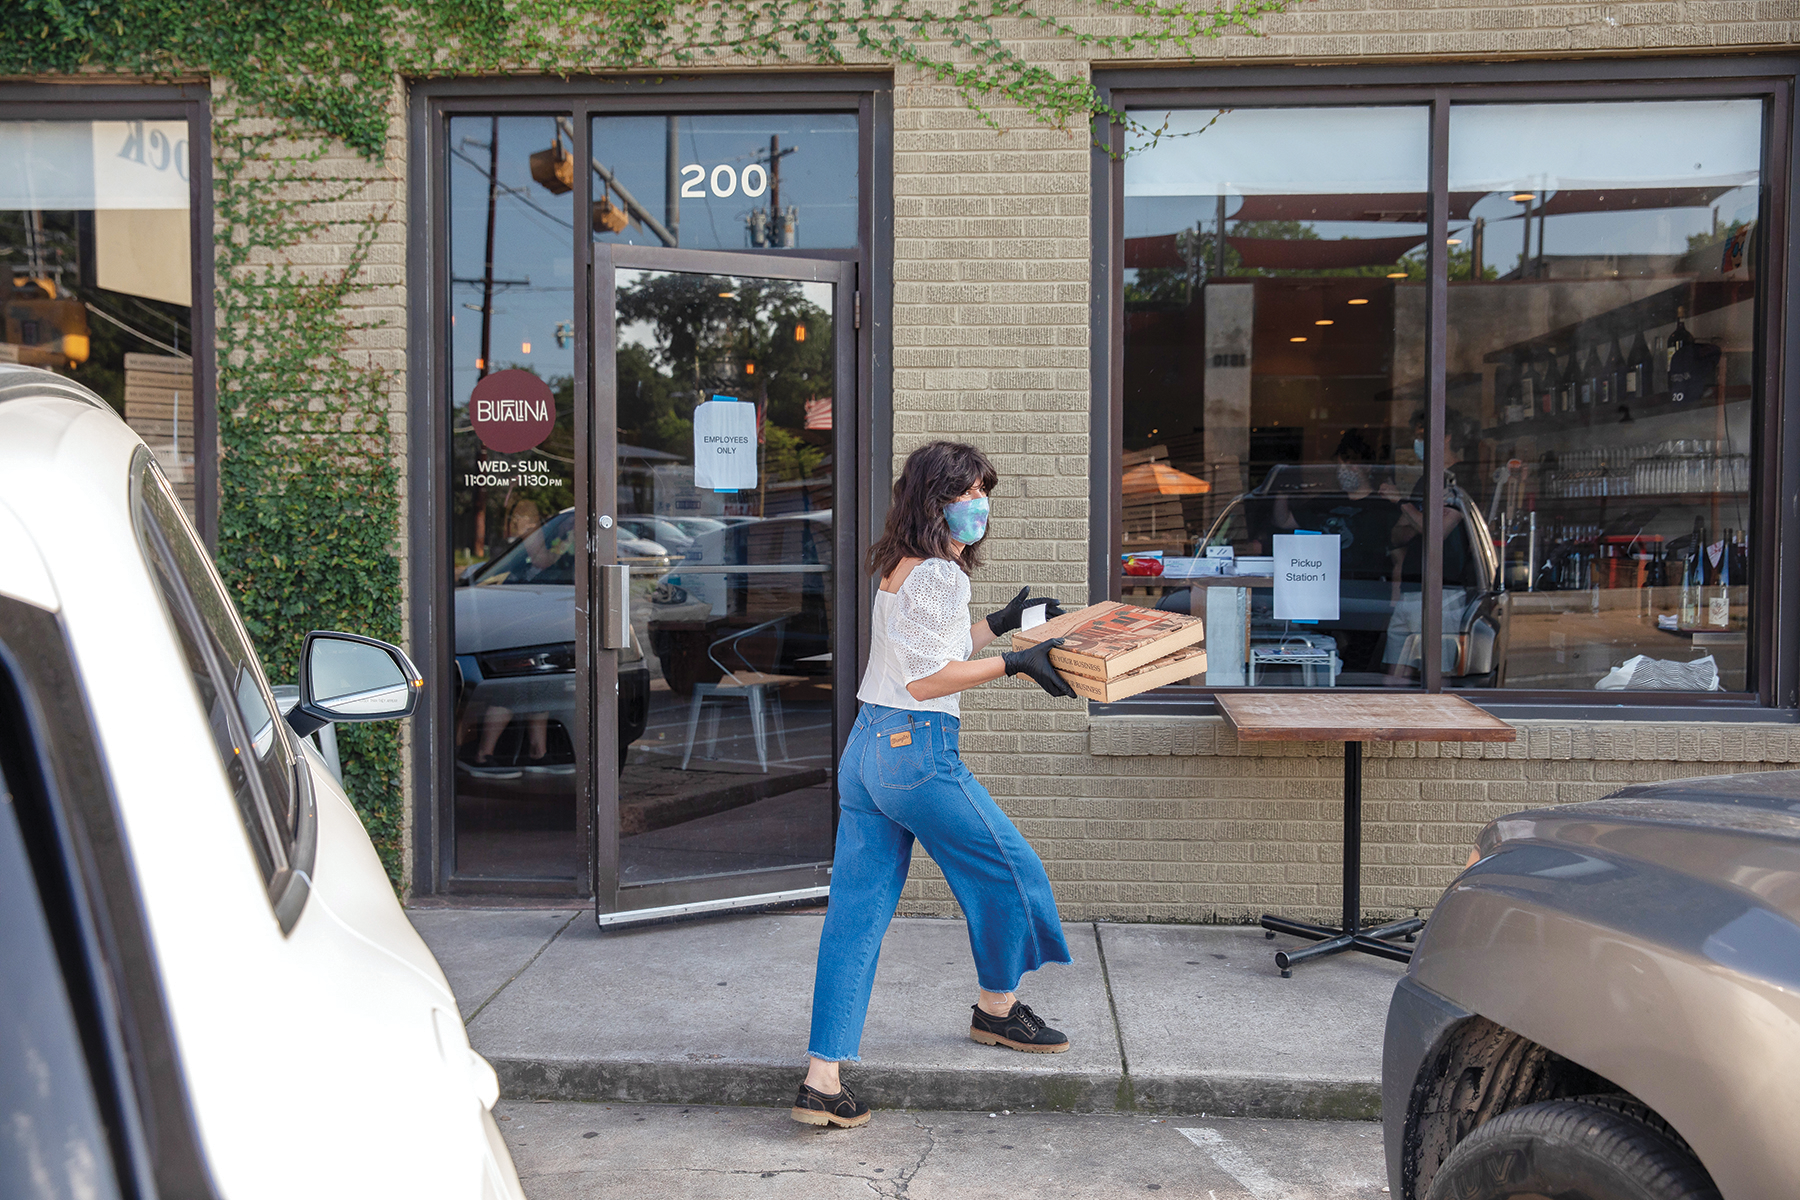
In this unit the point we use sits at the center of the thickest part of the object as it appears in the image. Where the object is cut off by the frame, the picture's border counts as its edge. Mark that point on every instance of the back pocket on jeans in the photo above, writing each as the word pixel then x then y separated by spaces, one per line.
pixel 908 765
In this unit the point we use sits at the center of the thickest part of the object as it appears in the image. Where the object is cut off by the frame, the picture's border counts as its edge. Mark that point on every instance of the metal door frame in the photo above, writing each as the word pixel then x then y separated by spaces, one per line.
pixel 613 902
pixel 432 104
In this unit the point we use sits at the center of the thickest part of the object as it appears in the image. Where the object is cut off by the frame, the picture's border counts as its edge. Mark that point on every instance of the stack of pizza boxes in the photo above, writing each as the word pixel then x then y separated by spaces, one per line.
pixel 1112 650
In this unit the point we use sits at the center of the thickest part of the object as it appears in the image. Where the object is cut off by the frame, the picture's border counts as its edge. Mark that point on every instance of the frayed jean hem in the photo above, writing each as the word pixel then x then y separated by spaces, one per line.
pixel 848 1058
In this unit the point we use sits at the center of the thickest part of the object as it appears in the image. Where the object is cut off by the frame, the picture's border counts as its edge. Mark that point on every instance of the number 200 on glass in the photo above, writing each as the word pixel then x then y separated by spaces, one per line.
pixel 725 181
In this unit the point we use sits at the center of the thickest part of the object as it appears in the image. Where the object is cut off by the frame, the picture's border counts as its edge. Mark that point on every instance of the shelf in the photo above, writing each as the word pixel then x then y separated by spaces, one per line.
pixel 1698 296
pixel 1645 498
pixel 1585 417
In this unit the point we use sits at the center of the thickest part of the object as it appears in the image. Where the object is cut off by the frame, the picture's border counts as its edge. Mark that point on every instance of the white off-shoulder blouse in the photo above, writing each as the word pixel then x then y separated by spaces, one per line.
pixel 915 632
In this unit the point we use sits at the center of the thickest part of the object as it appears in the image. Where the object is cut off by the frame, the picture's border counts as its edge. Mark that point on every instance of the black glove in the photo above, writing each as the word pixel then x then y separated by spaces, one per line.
pixel 1035 662
pixel 1008 618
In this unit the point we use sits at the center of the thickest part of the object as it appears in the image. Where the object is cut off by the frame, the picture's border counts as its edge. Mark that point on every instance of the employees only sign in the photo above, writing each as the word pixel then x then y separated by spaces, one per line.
pixel 1306 577
pixel 725 445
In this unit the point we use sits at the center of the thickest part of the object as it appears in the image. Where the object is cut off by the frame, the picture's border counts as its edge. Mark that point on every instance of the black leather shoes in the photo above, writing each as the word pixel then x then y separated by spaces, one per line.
pixel 1020 1029
pixel 813 1107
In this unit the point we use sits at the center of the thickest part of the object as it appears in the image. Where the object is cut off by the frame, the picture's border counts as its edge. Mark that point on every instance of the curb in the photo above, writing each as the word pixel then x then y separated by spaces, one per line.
pixel 772 1084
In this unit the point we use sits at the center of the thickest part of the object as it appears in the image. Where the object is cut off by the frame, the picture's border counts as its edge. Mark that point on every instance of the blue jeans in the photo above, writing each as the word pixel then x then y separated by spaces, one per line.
pixel 901 777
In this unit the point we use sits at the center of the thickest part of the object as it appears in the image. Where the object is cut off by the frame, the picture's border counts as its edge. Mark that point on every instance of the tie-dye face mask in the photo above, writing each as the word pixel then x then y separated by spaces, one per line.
pixel 967 519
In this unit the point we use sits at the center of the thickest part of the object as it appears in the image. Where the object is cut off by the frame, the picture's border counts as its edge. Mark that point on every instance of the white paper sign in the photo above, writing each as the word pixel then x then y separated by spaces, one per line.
pixel 1032 617
pixel 1306 577
pixel 725 446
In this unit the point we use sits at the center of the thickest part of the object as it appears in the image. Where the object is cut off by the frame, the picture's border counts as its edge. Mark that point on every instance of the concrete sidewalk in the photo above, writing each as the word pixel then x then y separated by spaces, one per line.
pixel 1164 1018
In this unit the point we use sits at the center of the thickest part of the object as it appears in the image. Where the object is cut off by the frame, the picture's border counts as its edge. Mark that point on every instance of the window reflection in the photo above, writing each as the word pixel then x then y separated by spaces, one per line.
pixel 94 236
pixel 1602 317
pixel 512 487
pixel 1274 373
pixel 727 181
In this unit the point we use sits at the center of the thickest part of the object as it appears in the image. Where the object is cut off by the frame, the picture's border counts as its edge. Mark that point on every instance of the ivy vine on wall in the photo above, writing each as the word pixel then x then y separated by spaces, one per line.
pixel 309 494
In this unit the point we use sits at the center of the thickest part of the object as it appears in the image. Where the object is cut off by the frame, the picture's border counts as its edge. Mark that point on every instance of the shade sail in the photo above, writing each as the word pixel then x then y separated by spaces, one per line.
pixel 1285 254
pixel 1160 479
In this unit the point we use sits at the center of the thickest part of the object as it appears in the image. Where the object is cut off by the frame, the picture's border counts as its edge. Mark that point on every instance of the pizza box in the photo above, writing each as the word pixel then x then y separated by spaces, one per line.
pixel 1184 663
pixel 1107 640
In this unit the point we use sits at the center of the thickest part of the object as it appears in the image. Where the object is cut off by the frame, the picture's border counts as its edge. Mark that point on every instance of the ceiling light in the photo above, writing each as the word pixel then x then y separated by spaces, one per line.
pixel 799 333
pixel 1396 274
pixel 1455 241
pixel 1296 339
pixel 524 347
pixel 1324 322
pixel 1359 300
pixel 728 295
pixel 749 368
pixel 1522 197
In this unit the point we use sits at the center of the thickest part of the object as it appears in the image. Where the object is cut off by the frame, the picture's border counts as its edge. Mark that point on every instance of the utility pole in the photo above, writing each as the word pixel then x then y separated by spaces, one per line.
pixel 672 182
pixel 777 225
pixel 487 269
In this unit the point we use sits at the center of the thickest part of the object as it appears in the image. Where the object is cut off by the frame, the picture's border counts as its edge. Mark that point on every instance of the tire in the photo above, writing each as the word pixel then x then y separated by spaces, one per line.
pixel 1595 1149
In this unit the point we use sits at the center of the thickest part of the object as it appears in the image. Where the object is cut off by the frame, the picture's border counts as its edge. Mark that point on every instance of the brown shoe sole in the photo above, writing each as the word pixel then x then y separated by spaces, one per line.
pixel 994 1039
pixel 812 1116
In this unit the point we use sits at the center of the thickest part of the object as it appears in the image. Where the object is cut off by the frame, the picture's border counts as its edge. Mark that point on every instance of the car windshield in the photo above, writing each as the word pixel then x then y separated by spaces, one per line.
pixel 546 555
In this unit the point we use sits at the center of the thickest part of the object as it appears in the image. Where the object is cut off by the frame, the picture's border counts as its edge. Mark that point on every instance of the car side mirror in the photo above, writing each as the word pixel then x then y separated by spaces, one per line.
pixel 344 677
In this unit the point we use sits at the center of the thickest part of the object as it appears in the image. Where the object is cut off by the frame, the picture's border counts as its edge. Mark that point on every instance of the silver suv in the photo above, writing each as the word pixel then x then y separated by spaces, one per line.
pixel 1607 1004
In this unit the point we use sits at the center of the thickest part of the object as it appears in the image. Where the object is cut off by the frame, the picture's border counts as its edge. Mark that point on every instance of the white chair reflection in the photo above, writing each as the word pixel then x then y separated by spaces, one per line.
pixel 759 688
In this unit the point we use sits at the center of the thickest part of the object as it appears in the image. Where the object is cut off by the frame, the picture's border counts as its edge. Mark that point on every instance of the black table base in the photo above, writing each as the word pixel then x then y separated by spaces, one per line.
pixel 1350 936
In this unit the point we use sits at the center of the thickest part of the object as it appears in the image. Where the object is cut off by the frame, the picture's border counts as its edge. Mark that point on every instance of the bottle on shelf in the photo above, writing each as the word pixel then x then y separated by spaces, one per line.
pixel 1693 576
pixel 1639 371
pixel 1549 384
pixel 1584 375
pixel 1615 368
pixel 1602 368
pixel 1677 374
pixel 1718 602
pixel 1568 383
pixel 1520 396
pixel 1740 558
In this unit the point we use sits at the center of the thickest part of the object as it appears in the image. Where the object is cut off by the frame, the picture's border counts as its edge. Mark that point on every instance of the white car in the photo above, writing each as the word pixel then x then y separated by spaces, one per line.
pixel 207 987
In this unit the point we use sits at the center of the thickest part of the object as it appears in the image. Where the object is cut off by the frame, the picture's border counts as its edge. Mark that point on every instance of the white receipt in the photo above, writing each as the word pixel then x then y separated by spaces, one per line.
pixel 1032 617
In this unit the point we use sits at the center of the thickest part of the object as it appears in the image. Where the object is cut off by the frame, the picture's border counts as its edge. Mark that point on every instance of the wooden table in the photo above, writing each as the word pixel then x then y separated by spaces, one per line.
pixel 1353 720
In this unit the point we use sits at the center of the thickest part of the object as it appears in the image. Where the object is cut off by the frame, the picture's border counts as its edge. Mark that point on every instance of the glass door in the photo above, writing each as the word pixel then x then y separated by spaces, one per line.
pixel 724 462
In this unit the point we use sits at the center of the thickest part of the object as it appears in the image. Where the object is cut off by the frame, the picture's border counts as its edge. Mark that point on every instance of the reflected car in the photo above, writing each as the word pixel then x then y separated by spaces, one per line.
pixel 515 659
pixel 1376 614
pixel 666 533
pixel 1607 1003
pixel 202 958
pixel 702 601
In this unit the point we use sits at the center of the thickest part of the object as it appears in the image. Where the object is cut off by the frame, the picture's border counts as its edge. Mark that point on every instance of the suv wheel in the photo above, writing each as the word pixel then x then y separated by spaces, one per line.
pixel 1588 1149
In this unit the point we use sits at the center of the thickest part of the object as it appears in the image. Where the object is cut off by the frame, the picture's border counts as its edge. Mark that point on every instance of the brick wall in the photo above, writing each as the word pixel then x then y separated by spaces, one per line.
pixel 1176 821
pixel 990 323
pixel 362 192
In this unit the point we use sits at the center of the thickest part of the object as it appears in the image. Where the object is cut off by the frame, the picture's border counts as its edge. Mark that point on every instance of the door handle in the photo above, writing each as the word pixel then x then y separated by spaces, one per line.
pixel 615 606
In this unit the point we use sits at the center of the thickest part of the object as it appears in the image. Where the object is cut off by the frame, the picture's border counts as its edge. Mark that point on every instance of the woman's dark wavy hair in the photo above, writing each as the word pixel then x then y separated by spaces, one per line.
pixel 934 475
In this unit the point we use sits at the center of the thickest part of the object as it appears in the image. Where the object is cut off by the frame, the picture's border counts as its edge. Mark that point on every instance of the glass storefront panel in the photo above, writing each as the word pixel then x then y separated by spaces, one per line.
pixel 512 372
pixel 727 181
pixel 1274 363
pixel 94 229
pixel 726 484
pixel 1601 384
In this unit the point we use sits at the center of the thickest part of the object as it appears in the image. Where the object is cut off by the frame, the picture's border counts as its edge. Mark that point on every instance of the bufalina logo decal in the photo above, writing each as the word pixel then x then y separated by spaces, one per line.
pixel 512 411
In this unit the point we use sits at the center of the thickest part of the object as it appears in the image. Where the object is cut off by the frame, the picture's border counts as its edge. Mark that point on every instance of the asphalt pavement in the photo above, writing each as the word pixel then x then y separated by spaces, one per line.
pixel 1164 1019
pixel 571 1151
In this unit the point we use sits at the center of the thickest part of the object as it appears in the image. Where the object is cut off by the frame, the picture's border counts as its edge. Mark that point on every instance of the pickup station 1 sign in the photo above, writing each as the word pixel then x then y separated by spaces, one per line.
pixel 725 444
pixel 1306 577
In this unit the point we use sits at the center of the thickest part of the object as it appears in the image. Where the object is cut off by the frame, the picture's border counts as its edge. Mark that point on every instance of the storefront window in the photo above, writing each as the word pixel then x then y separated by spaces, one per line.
pixel 1600 393
pixel 1601 367
pixel 1274 371
pixel 512 372
pixel 706 181
pixel 94 230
